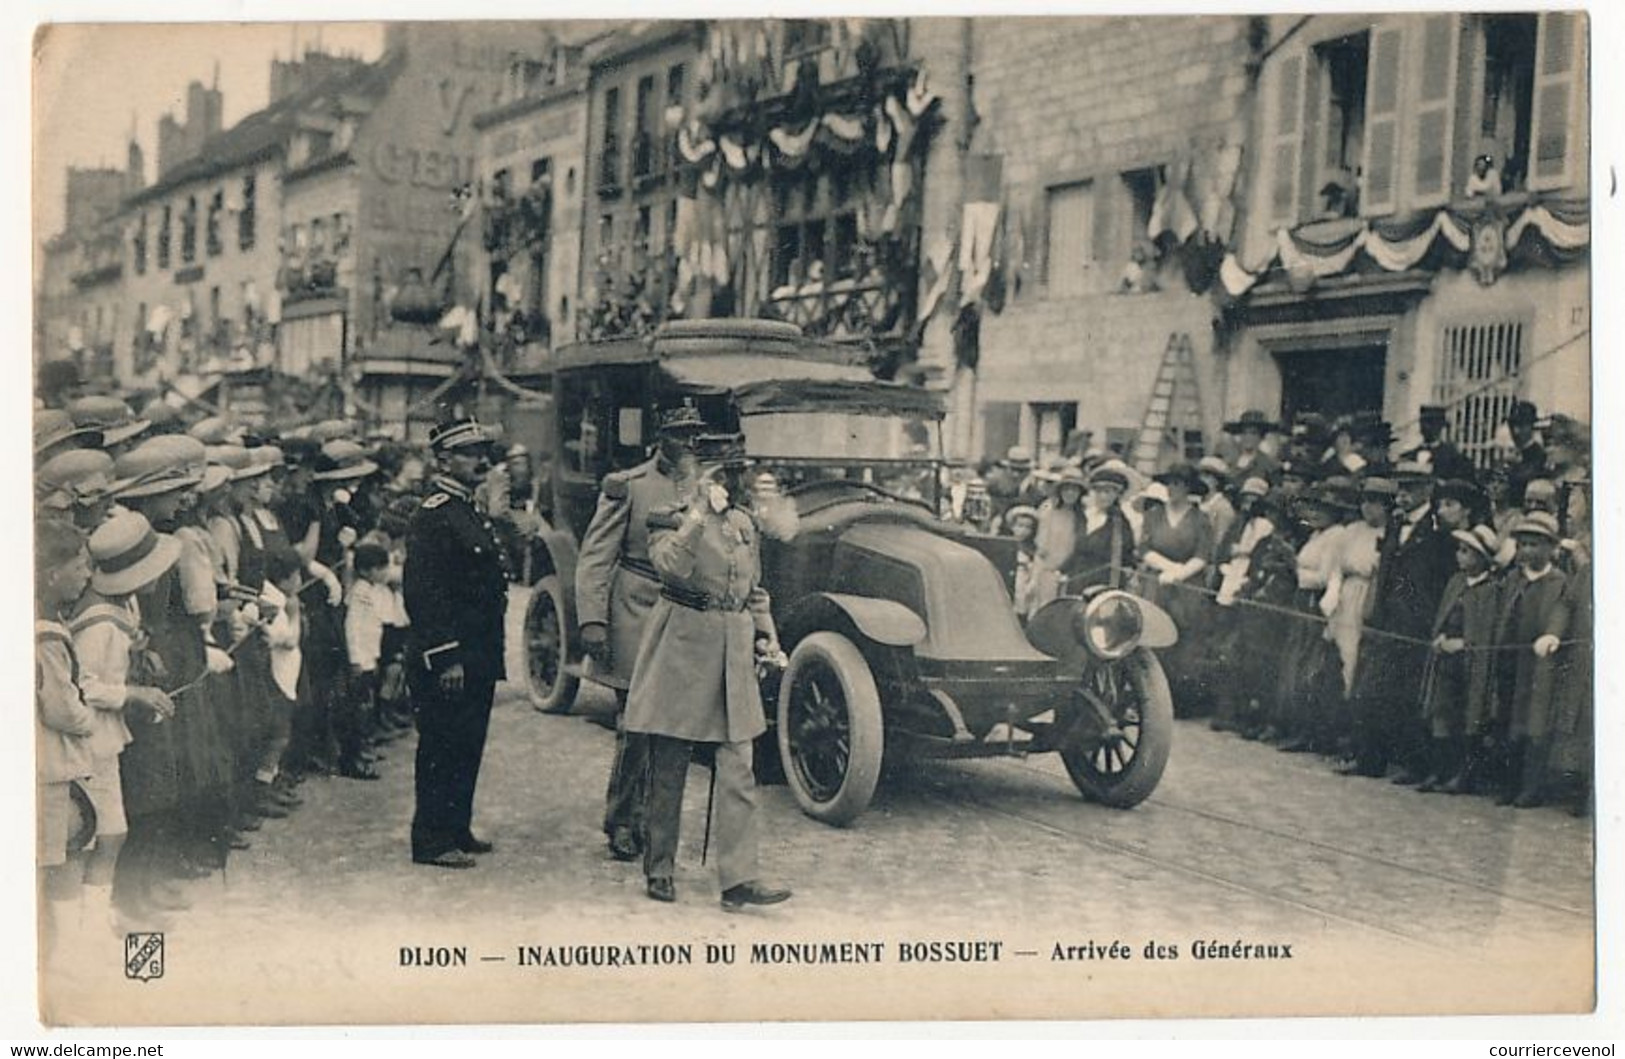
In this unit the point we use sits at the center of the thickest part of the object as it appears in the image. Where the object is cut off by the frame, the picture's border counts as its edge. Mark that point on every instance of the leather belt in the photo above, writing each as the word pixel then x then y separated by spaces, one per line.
pixel 640 567
pixel 695 600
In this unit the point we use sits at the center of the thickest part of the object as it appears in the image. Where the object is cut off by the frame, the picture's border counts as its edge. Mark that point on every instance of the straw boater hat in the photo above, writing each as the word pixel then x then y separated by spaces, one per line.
pixel 1026 511
pixel 1538 524
pixel 217 430
pixel 109 415
pixel 129 554
pixel 1412 471
pixel 159 465
pixel 1385 489
pixel 1109 474
pixel 1155 493
pixel 224 463
pixel 1214 466
pixel 55 431
pixel 330 430
pixel 78 476
pixel 261 460
pixel 1069 474
pixel 1481 539
pixel 1018 457
pixel 1255 487
pixel 342 461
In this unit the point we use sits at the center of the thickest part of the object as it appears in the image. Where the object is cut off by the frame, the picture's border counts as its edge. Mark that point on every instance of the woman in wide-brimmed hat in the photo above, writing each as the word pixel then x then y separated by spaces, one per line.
pixel 1352 571
pixel 1251 459
pixel 1175 546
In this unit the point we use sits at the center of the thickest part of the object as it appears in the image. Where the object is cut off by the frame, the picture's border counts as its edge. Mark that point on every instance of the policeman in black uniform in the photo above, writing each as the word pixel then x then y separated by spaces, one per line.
pixel 455 585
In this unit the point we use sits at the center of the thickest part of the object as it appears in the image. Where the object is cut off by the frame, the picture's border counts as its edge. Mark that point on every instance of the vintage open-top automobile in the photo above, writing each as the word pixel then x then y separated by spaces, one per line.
pixel 901 634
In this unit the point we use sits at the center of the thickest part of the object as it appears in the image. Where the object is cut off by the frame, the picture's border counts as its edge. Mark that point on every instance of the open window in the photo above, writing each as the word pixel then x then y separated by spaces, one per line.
pixel 1341 67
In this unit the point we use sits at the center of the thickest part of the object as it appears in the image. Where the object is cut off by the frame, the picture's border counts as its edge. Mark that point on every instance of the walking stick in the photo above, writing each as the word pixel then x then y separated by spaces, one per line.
pixel 710 800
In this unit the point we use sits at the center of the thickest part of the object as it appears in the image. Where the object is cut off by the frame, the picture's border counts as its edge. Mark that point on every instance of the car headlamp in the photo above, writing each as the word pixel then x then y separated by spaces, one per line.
pixel 1110 625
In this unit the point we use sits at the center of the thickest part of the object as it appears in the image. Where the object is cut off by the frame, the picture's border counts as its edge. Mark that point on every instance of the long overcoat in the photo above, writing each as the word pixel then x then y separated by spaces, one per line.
pixel 695 674
pixel 615 582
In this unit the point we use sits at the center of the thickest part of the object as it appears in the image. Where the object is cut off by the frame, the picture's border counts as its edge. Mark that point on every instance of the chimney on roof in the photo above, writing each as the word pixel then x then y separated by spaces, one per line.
pixel 135 168
pixel 181 140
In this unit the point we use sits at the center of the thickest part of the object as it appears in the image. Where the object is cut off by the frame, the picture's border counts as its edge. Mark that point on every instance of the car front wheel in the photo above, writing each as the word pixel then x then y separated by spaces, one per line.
pixel 830 734
pixel 1121 765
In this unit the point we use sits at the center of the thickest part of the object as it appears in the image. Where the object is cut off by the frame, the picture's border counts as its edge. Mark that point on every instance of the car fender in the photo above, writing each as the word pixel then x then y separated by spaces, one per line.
pixel 561 554
pixel 883 621
pixel 1050 630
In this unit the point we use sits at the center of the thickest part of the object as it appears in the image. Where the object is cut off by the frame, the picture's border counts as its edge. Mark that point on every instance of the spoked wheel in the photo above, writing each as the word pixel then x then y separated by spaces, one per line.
pixel 546 649
pixel 830 732
pixel 1122 765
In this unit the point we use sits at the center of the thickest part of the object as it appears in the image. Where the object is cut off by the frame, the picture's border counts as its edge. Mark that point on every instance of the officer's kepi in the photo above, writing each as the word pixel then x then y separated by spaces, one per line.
pixel 460 437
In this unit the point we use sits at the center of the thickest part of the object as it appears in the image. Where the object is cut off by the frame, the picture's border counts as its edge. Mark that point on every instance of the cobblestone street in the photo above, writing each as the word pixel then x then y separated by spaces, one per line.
pixel 1239 842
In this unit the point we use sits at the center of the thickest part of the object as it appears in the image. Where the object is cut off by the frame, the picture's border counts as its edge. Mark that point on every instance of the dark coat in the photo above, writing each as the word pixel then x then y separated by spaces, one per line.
pixel 1096 553
pixel 1523 682
pixel 1456 697
pixel 455 585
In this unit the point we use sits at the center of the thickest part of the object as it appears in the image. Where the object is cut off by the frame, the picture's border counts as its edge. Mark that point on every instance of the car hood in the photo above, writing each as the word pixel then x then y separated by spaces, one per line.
pixel 951 585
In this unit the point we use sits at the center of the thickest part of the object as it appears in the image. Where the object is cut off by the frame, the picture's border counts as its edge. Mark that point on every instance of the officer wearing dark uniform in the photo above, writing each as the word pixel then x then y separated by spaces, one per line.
pixel 616 587
pixel 455 586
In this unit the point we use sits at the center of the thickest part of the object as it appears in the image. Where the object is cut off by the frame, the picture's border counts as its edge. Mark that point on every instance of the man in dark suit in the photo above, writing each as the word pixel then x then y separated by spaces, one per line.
pixel 456 587
pixel 1443 459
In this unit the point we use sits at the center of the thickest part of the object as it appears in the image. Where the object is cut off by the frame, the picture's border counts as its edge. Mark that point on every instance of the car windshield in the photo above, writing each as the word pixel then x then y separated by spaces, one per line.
pixel 898 454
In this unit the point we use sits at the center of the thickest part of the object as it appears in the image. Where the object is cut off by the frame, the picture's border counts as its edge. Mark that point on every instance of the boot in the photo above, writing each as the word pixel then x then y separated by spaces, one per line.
pixel 1439 770
pixel 1461 772
pixel 1512 773
pixel 1531 787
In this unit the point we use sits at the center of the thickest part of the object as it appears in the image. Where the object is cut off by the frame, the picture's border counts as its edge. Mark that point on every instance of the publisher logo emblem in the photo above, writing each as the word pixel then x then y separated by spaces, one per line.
pixel 144 956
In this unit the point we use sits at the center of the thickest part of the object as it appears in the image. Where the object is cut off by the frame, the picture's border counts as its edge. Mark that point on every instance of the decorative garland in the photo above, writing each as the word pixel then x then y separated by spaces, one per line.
pixel 1481 238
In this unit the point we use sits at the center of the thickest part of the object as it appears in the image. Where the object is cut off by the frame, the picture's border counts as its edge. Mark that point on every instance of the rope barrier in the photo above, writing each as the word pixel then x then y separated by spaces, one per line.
pixel 1318 619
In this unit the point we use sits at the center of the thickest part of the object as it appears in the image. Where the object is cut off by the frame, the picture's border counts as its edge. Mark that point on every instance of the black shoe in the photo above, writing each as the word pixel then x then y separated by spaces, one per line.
pixel 359 770
pixel 735 898
pixel 1529 800
pixel 1296 746
pixel 662 890
pixel 624 845
pixel 1406 778
pixel 236 840
pixel 451 858
pixel 470 844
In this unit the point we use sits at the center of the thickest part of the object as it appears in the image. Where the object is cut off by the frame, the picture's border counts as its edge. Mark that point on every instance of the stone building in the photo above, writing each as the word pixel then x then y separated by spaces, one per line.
pixel 1418 226
pixel 1081 195
pixel 79 310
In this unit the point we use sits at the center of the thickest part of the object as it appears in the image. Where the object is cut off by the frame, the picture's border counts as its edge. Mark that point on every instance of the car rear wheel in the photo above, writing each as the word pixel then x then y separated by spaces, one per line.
pixel 1122 766
pixel 547 649
pixel 831 739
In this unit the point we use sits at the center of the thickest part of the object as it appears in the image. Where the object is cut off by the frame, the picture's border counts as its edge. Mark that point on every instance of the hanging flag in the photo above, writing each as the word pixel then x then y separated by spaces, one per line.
pixel 979 220
pixel 937 273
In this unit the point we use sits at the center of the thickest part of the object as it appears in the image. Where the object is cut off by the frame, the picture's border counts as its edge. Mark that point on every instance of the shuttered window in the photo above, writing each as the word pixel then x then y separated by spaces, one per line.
pixel 1558 104
pixel 1379 192
pixel 1477 380
pixel 1071 239
pixel 1286 139
pixel 1434 71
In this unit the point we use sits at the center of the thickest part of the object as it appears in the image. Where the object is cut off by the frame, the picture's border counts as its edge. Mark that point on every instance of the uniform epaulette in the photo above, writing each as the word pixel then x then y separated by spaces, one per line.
pixel 617 484
pixel 434 500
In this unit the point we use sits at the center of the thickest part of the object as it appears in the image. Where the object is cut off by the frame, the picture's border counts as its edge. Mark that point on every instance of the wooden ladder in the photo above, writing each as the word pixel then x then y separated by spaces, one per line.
pixel 1173 416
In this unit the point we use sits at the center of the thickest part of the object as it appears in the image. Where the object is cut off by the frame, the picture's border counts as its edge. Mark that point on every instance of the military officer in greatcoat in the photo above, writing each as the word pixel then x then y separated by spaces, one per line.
pixel 455 586
pixel 695 676
pixel 616 587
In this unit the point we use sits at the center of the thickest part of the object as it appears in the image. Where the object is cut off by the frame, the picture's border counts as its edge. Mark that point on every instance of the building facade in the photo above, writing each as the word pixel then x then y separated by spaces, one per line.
pixel 1418 229
pixel 1098 163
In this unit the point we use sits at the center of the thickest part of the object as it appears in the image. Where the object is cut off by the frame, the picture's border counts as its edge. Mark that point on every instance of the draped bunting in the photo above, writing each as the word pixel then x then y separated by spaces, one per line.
pixel 1543 232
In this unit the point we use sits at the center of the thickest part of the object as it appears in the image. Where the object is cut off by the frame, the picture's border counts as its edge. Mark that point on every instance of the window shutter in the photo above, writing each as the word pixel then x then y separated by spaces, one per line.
pixel 1383 92
pixel 1557 147
pixel 1286 139
pixel 1434 55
